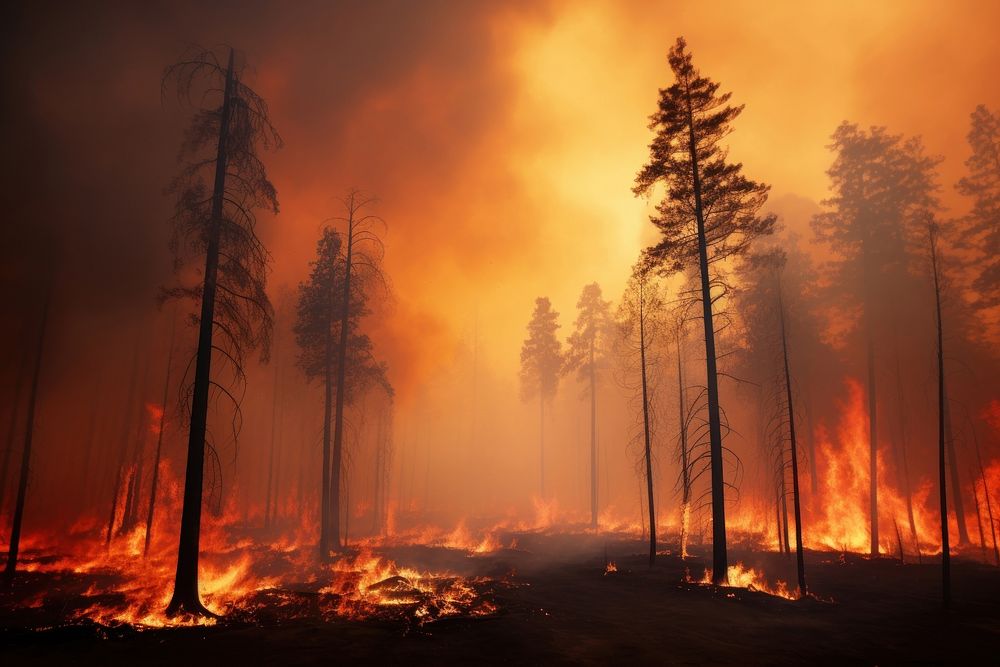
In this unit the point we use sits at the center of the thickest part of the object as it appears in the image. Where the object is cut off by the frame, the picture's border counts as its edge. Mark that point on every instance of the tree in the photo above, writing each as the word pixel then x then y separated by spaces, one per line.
pixel 541 363
pixel 879 183
pixel 22 484
pixel 318 331
pixel 639 328
pixel 982 184
pixel 159 439
pixel 587 346
pixel 709 213
pixel 942 479
pixel 218 224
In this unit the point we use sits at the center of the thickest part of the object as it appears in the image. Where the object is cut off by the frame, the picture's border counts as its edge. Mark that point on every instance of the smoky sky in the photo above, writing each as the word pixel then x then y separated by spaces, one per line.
pixel 500 138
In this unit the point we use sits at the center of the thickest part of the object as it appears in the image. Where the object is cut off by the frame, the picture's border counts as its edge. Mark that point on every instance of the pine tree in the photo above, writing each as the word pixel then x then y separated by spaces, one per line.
pixel 541 364
pixel 709 213
pixel 879 183
pixel 588 346
pixel 982 229
pixel 217 225
pixel 320 333
pixel 640 327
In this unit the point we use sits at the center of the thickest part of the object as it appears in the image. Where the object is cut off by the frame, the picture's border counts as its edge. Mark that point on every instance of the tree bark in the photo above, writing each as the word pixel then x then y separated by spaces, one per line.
pixel 22 485
pixel 186 598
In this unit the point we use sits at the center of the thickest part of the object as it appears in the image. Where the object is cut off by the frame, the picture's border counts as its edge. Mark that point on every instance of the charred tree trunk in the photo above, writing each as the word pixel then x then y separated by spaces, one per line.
pixel 338 427
pixel 186 598
pixel 646 433
pixel 593 439
pixel 541 441
pixel 872 439
pixel 956 482
pixel 11 430
pixel 986 493
pixel 793 447
pixel 783 505
pixel 159 444
pixel 324 509
pixel 22 484
pixel 905 463
pixel 119 470
pixel 720 562
pixel 945 547
pixel 685 467
pixel 270 461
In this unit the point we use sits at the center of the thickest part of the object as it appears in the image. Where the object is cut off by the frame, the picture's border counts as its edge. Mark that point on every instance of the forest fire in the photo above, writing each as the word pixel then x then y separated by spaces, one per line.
pixel 458 332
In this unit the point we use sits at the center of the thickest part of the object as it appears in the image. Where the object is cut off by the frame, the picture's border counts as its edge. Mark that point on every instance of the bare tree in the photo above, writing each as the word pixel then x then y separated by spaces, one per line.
pixel 22 484
pixel 640 325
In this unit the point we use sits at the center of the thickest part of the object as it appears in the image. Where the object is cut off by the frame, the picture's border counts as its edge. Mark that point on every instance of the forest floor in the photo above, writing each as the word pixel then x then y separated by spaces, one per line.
pixel 557 605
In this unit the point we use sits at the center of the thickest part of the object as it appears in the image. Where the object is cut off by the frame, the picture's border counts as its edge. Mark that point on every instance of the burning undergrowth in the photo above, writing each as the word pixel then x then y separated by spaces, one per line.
pixel 246 583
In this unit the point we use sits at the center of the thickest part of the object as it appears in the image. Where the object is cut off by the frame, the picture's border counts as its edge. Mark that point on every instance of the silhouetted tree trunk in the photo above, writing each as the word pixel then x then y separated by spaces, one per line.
pixel 945 547
pixel 159 441
pixel 270 458
pixel 872 436
pixel 186 597
pixel 324 530
pixel 905 463
pixel 986 493
pixel 12 429
pixel 119 470
pixel 793 446
pixel 338 428
pixel 593 439
pixel 685 463
pixel 956 483
pixel 783 506
pixel 645 430
pixel 541 443
pixel 22 485
pixel 720 559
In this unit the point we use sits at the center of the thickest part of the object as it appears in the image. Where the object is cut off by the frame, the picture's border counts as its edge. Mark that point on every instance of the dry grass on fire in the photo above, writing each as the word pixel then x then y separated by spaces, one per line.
pixel 552 599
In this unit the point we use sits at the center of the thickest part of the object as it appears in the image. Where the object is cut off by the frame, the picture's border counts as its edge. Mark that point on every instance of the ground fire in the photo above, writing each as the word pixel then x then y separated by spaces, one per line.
pixel 534 332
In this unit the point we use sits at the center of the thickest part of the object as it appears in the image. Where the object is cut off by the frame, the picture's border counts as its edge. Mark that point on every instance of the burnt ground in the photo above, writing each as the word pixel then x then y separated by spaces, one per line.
pixel 556 605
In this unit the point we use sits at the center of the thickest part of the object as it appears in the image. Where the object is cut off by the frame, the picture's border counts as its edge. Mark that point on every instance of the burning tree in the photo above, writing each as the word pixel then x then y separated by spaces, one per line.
pixel 640 326
pixel 982 184
pixel 709 213
pixel 879 182
pixel 932 233
pixel 765 302
pixel 588 345
pixel 541 364
pixel 218 222
pixel 332 347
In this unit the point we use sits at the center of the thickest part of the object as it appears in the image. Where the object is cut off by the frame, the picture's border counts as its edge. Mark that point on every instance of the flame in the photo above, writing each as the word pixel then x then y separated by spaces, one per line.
pixel 740 576
pixel 610 568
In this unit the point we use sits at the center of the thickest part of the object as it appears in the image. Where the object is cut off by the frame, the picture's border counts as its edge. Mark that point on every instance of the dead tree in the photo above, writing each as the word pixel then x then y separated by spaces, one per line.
pixel 22 484
pixel 218 226
pixel 159 441
pixel 942 482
